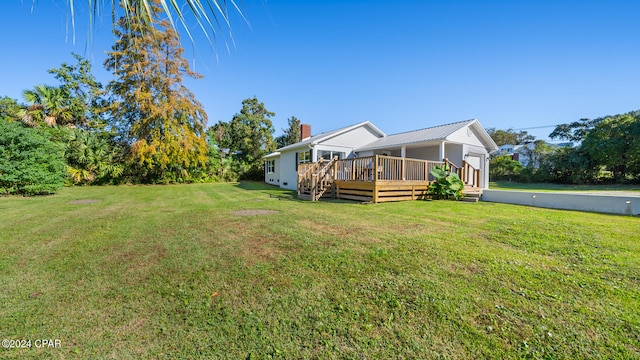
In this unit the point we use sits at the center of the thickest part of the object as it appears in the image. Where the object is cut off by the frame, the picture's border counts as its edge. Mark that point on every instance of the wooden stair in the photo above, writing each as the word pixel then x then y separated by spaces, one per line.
pixel 471 194
pixel 317 181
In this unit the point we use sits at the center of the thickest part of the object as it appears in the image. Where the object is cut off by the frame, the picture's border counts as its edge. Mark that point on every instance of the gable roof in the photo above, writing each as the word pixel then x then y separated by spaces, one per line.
pixel 432 134
pixel 421 136
pixel 313 140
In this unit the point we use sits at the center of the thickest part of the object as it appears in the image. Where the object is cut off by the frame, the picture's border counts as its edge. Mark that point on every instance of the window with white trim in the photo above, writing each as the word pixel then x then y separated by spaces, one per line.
pixel 270 166
pixel 328 155
pixel 304 157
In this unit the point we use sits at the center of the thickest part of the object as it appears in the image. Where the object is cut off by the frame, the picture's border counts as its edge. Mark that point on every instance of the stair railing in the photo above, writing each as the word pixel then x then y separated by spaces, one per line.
pixel 316 179
pixel 322 180
pixel 470 175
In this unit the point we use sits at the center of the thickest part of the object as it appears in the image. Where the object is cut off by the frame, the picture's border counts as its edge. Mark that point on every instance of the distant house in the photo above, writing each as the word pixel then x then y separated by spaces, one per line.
pixel 522 153
pixel 363 153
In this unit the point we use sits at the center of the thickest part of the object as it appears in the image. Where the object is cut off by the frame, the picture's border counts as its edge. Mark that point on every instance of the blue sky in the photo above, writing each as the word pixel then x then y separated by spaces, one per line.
pixel 403 65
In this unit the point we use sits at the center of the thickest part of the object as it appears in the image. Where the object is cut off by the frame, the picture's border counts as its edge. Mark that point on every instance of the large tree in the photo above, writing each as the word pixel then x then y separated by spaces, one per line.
pixel 610 143
pixel 48 105
pixel 574 131
pixel 151 109
pixel 86 93
pixel 614 142
pixel 247 137
pixel 510 136
pixel 291 133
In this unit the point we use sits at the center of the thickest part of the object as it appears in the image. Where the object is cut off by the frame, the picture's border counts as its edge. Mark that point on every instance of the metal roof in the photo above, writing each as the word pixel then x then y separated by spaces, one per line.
pixel 436 133
pixel 327 135
pixel 432 134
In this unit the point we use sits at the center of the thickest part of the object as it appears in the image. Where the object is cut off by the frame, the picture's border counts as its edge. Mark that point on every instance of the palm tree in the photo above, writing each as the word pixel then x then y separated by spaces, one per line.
pixel 209 15
pixel 47 104
pixel 91 158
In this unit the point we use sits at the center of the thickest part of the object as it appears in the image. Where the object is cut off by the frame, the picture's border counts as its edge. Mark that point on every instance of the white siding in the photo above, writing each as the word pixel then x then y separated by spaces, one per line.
pixel 365 153
pixel 352 139
pixel 424 153
pixel 465 137
pixel 453 152
pixel 274 177
pixel 288 174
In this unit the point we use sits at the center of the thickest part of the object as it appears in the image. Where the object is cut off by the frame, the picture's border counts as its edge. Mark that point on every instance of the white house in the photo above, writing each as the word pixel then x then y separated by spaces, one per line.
pixel 464 142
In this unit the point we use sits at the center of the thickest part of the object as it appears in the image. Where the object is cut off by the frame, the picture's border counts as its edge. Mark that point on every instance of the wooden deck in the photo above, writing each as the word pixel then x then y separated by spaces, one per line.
pixel 374 178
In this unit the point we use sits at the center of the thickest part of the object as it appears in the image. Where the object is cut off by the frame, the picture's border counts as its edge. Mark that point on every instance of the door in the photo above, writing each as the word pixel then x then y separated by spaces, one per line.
pixel 476 161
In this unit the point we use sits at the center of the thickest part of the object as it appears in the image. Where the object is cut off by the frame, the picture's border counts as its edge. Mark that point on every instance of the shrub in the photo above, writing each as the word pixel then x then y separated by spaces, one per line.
pixel 447 184
pixel 30 164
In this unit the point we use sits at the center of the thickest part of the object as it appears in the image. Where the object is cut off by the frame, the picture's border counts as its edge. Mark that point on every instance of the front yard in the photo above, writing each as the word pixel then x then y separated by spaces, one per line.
pixel 246 271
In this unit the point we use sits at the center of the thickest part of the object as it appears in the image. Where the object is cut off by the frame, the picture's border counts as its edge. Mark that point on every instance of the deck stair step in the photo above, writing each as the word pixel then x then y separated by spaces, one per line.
pixel 470 194
pixel 468 198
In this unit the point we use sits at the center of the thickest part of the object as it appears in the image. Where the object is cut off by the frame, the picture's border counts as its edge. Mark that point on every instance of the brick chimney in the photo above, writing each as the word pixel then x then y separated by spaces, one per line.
pixel 305 131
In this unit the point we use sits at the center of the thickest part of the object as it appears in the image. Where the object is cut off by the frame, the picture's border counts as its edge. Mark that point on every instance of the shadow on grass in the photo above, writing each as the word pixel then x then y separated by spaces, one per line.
pixel 283 194
pixel 272 190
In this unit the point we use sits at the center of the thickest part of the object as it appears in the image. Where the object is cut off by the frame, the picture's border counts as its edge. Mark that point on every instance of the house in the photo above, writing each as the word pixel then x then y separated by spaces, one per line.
pixel 513 151
pixel 358 161
pixel 524 152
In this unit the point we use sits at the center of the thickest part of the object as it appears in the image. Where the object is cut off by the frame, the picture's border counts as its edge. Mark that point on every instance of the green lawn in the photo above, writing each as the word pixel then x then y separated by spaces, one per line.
pixel 509 185
pixel 243 271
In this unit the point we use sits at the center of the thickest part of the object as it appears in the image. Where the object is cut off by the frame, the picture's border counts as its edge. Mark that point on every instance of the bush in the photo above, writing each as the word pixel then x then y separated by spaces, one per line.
pixel 447 185
pixel 30 164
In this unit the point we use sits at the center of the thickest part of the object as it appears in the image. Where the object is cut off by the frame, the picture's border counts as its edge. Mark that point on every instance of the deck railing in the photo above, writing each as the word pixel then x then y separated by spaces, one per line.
pixel 384 168
pixel 305 176
pixel 378 168
pixel 376 178
pixel 316 178
pixel 469 174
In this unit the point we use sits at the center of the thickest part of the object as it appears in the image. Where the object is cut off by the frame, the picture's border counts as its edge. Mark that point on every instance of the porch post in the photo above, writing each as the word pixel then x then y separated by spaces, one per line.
pixel 374 171
pixel 441 151
pixel 403 154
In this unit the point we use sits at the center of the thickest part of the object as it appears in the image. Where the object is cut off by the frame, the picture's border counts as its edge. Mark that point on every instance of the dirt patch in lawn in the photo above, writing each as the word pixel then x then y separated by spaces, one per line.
pixel 254 212
pixel 83 201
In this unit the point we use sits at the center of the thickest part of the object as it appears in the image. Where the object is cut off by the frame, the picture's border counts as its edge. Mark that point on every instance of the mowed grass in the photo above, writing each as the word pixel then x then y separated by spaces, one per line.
pixel 243 271
pixel 509 185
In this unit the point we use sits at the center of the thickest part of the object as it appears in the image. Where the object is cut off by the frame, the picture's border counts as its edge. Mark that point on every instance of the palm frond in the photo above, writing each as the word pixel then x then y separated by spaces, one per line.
pixel 209 15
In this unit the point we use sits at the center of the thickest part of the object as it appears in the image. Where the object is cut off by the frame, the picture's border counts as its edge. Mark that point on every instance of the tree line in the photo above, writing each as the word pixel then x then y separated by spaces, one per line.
pixel 607 150
pixel 144 126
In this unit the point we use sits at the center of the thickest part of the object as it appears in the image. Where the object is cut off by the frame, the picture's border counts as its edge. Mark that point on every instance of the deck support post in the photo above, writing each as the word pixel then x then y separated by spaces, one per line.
pixel 314 185
pixel 335 177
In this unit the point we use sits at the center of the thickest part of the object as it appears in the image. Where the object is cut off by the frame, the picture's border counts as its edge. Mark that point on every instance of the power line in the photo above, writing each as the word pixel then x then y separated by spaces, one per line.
pixel 537 127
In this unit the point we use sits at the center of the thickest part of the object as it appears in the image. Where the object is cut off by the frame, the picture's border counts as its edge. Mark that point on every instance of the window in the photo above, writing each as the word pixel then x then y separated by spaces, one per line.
pixel 304 157
pixel 270 166
pixel 328 155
